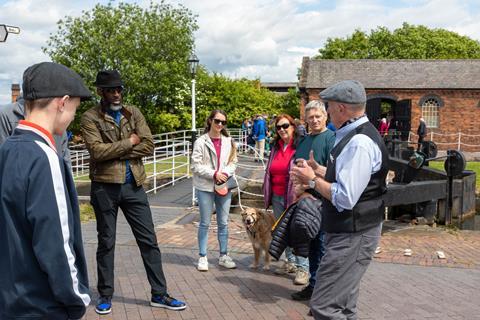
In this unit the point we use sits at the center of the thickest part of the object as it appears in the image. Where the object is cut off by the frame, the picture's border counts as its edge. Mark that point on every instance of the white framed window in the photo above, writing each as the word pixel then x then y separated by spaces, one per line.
pixel 430 112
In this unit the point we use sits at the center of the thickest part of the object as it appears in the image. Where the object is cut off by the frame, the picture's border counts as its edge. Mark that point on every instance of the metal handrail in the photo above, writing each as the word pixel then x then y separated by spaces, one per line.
pixel 169 147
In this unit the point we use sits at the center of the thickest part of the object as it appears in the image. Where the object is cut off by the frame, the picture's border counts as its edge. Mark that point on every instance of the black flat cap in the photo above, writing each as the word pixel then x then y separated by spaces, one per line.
pixel 51 80
pixel 109 79
pixel 347 91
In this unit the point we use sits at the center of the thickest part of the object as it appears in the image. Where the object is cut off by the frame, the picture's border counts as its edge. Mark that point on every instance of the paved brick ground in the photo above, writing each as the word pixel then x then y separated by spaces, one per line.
pixel 461 248
pixel 391 289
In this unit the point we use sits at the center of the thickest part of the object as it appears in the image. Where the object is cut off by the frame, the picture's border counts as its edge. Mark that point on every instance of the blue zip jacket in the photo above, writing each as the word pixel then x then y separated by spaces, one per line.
pixel 43 273
pixel 259 129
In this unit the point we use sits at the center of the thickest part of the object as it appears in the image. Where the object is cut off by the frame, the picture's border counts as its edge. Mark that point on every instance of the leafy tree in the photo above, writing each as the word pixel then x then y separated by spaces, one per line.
pixel 407 42
pixel 149 47
pixel 290 103
pixel 239 98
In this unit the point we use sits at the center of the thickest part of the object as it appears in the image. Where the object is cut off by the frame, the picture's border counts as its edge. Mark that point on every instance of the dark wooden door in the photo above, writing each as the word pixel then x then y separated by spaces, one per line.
pixel 374 110
pixel 402 113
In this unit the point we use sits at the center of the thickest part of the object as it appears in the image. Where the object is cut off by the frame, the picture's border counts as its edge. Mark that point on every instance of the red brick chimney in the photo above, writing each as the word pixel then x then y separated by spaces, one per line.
pixel 15 91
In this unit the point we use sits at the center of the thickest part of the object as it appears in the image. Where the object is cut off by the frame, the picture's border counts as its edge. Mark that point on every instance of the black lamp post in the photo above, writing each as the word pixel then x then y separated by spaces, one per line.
pixel 193 64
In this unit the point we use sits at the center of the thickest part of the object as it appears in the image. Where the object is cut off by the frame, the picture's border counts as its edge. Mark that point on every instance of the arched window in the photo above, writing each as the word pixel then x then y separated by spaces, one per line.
pixel 430 110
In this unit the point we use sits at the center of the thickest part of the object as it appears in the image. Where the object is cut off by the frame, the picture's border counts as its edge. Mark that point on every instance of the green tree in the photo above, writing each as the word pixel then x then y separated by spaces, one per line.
pixel 407 42
pixel 239 98
pixel 149 47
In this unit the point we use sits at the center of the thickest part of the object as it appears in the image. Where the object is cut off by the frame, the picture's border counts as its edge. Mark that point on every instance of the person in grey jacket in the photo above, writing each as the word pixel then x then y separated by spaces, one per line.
pixel 12 113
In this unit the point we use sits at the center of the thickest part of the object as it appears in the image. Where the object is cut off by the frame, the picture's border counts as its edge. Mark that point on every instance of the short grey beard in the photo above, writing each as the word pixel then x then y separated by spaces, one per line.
pixel 115 107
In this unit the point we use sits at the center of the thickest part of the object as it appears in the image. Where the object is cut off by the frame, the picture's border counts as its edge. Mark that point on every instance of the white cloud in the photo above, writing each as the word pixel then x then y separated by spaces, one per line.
pixel 251 38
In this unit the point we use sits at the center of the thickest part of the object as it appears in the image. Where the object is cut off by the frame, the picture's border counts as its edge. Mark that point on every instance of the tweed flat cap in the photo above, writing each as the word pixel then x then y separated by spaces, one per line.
pixel 51 80
pixel 347 91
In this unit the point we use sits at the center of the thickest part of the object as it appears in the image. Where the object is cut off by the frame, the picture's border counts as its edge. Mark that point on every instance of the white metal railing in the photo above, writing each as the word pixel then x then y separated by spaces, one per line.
pixel 460 141
pixel 169 163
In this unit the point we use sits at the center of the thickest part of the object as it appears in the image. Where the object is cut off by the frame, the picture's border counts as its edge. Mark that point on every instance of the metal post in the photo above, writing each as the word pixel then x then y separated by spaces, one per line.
pixel 154 170
pixel 194 121
pixel 173 164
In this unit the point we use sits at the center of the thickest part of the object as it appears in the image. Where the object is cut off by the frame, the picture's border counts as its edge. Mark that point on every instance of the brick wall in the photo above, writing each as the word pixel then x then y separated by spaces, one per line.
pixel 460 113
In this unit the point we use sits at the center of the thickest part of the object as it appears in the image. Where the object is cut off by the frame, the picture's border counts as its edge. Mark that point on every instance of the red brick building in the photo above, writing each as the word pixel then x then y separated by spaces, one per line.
pixel 446 93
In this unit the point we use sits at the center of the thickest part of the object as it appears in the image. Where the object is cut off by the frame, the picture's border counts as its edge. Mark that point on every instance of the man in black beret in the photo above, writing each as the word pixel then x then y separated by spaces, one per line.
pixel 43 272
pixel 118 137
pixel 351 187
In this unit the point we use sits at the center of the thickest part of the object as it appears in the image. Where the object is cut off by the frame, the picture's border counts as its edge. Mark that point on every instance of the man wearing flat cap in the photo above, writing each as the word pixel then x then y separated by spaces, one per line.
pixel 117 137
pixel 43 272
pixel 351 186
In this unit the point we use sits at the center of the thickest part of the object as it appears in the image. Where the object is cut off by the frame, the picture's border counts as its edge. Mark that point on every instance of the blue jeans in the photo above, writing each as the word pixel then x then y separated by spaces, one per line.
pixel 278 205
pixel 206 200
pixel 317 250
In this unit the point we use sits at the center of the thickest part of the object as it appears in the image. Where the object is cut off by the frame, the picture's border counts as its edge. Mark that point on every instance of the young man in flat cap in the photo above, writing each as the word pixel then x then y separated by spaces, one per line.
pixel 12 113
pixel 43 273
pixel 353 210
pixel 117 137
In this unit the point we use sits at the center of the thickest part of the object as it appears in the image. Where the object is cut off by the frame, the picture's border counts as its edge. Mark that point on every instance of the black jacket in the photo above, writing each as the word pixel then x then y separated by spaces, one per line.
pixel 422 129
pixel 280 233
pixel 304 225
pixel 43 272
pixel 298 226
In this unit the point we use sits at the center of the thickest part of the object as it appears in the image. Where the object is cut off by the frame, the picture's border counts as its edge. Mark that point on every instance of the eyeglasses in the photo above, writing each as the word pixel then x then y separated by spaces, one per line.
pixel 284 126
pixel 114 90
pixel 222 122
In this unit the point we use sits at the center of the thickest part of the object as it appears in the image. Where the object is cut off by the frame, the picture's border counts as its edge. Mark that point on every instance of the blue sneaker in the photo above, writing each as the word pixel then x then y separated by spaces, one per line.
pixel 104 305
pixel 165 301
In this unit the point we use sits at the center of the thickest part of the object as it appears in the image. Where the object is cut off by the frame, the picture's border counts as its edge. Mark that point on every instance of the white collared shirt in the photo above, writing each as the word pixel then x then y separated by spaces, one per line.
pixel 359 159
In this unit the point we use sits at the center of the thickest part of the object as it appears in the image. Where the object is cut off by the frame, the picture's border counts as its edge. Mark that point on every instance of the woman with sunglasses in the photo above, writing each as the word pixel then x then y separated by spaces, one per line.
pixel 278 191
pixel 213 162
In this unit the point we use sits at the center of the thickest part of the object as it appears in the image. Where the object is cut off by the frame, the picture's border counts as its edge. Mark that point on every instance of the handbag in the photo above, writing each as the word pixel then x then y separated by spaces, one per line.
pixel 222 188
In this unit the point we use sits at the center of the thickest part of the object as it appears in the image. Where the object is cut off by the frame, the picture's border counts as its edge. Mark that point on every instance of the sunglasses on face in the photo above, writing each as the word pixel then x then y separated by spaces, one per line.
pixel 218 121
pixel 114 90
pixel 284 126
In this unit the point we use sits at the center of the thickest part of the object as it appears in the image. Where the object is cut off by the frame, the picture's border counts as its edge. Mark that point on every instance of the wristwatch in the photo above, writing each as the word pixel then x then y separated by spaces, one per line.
pixel 311 183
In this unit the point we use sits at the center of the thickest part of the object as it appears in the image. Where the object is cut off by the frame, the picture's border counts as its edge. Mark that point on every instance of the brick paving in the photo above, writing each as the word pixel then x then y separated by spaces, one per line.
pixel 461 248
pixel 394 287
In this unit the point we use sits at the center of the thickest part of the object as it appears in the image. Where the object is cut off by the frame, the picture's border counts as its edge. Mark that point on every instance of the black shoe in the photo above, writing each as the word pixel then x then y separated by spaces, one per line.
pixel 165 301
pixel 303 295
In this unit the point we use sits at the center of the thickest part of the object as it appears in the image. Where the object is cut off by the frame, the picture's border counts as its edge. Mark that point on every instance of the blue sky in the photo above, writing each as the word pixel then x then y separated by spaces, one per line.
pixel 263 39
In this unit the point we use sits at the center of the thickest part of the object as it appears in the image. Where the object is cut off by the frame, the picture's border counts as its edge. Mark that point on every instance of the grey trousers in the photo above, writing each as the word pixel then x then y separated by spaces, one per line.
pixel 346 259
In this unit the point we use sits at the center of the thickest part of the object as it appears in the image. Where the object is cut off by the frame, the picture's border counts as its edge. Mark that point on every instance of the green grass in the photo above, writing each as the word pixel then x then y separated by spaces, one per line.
pixel 472 166
pixel 161 166
pixel 86 212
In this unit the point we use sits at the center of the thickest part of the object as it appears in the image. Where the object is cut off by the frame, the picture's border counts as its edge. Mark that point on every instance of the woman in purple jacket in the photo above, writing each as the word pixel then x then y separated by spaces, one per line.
pixel 278 191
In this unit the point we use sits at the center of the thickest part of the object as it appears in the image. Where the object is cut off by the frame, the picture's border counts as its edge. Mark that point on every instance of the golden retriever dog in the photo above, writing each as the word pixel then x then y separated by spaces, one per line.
pixel 258 225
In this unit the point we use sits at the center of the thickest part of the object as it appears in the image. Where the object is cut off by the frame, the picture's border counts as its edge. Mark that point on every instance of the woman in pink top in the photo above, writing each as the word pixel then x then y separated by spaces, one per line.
pixel 277 189
pixel 383 128
pixel 213 162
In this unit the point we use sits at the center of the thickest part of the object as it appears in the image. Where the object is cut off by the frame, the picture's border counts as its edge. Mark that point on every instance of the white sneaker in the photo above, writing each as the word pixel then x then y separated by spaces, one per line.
pixel 202 264
pixel 226 262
